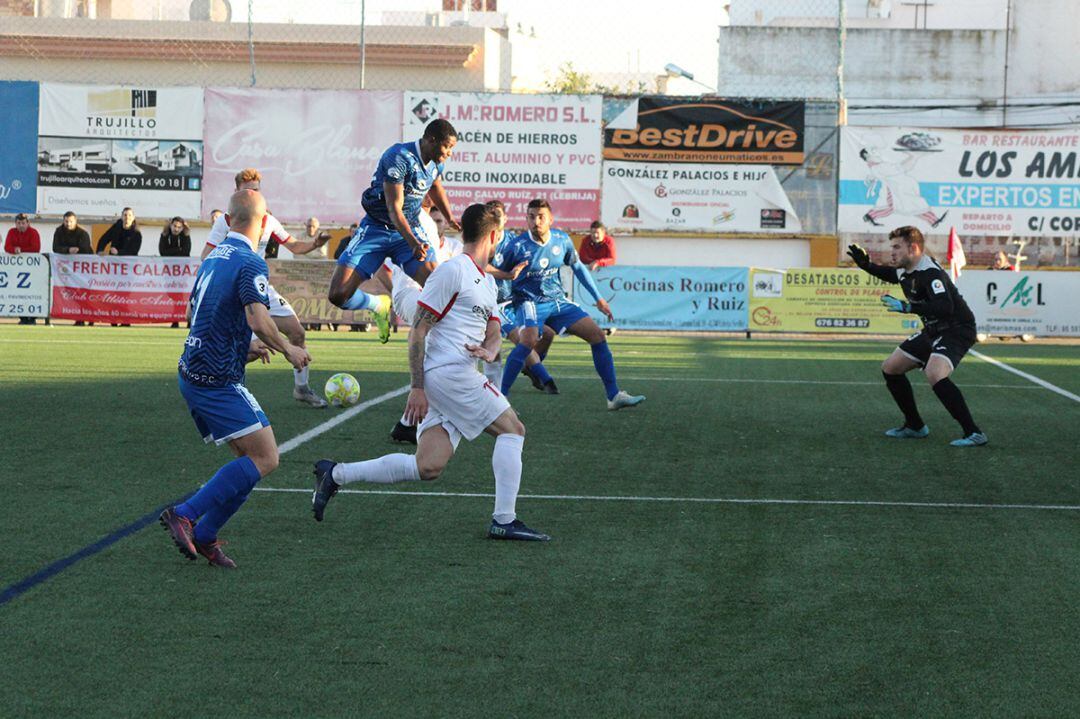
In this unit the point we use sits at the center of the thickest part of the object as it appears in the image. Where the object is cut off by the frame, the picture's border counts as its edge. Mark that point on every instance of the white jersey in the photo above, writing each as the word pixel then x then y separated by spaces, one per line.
pixel 463 297
pixel 400 281
pixel 272 230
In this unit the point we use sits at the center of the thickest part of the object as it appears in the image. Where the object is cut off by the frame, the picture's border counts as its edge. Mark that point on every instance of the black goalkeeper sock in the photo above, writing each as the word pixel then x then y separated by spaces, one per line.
pixel 953 399
pixel 900 388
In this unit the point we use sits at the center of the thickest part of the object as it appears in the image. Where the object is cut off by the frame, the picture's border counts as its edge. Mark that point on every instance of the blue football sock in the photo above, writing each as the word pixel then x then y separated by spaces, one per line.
pixel 206 530
pixel 540 372
pixel 514 364
pixel 361 301
pixel 235 478
pixel 605 367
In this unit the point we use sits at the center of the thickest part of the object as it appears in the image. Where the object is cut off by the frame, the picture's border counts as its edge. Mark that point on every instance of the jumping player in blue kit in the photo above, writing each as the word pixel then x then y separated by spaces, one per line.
pixel 391 226
pixel 229 301
pixel 538 299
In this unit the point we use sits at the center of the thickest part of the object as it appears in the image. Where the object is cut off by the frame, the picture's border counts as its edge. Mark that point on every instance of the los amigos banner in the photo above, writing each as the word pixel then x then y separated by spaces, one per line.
pixel 705 130
pixel 982 182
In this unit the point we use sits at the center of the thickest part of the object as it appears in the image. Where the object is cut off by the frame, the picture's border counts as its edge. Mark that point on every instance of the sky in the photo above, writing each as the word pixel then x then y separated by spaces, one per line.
pixel 598 36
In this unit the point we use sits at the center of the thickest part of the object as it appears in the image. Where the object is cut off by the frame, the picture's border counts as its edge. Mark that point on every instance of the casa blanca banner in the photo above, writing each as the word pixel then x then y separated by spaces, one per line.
pixel 703 198
pixel 316 149
pixel 1044 304
pixel 516 148
pixel 18 161
pixel 102 148
pixel 995 183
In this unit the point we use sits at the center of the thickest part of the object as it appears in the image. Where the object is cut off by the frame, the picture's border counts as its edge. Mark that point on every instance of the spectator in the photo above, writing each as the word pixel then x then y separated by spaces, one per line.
pixel 22 238
pixel 345 242
pixel 598 249
pixel 214 214
pixel 311 232
pixel 175 240
pixel 1001 262
pixel 123 238
pixel 70 239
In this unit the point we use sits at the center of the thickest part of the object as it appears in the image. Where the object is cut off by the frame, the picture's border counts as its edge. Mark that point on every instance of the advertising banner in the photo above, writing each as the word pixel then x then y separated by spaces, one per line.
pixel 670 298
pixel 122 289
pixel 1044 304
pixel 518 147
pixel 722 130
pixel 316 149
pixel 18 161
pixel 824 300
pixel 982 182
pixel 304 284
pixel 102 148
pixel 24 285
pixel 704 198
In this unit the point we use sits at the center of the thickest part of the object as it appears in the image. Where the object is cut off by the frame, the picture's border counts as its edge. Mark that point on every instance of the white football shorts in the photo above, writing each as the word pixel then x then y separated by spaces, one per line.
pixel 279 306
pixel 462 401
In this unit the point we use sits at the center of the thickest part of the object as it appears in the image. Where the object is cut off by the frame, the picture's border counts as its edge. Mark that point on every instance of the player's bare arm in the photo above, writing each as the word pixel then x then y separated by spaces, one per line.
pixel 302 247
pixel 511 274
pixel 442 201
pixel 258 351
pixel 489 349
pixel 416 406
pixel 262 324
pixel 395 207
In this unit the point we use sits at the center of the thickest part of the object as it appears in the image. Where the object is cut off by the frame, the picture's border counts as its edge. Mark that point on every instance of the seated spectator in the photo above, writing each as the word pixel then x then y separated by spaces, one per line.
pixel 598 249
pixel 345 242
pixel 22 237
pixel 311 233
pixel 123 238
pixel 70 239
pixel 1001 262
pixel 175 240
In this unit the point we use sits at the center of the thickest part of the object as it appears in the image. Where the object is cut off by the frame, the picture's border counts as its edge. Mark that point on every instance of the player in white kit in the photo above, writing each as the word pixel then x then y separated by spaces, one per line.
pixel 456 322
pixel 281 311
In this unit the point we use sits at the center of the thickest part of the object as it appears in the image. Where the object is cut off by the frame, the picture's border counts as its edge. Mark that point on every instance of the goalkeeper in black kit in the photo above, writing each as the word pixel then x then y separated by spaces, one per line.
pixel 948 333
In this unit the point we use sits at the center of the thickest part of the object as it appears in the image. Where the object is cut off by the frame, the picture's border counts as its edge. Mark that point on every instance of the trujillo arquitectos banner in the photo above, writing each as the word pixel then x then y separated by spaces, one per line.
pixel 24 285
pixel 18 160
pixel 516 148
pixel 102 148
pixel 982 182
pixel 1045 304
pixel 705 130
pixel 670 298
pixel 316 149
pixel 824 300
pixel 122 289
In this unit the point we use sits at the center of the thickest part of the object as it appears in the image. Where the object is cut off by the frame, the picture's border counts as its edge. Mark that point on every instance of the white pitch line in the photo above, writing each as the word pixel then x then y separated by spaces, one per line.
pixel 345 416
pixel 1029 377
pixel 700 500
pixel 740 380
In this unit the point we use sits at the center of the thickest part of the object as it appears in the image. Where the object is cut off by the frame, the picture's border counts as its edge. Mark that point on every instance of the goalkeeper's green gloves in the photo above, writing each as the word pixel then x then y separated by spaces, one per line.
pixel 895 305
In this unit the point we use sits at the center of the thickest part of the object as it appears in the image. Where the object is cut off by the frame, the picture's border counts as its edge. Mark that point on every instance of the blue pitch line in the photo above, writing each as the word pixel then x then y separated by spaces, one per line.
pixel 43 575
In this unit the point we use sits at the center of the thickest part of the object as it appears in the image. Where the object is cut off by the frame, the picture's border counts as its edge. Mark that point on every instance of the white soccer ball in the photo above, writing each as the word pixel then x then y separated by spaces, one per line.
pixel 342 390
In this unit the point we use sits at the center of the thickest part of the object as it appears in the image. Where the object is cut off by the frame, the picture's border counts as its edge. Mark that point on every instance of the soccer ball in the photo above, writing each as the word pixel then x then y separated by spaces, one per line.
pixel 342 390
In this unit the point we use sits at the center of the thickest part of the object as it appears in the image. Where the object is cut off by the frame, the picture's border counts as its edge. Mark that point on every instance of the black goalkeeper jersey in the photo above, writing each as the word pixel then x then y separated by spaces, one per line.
pixel 931 292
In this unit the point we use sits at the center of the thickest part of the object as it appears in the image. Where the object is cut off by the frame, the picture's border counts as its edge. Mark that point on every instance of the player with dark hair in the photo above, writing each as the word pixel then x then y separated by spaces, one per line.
pixel 948 333
pixel 539 299
pixel 456 322
pixel 391 228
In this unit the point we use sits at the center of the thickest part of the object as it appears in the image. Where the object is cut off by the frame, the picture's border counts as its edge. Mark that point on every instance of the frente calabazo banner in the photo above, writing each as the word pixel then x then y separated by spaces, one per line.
pixel 666 129
pixel 122 289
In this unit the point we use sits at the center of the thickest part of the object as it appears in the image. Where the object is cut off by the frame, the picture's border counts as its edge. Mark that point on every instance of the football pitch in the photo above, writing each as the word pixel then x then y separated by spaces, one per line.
pixel 745 543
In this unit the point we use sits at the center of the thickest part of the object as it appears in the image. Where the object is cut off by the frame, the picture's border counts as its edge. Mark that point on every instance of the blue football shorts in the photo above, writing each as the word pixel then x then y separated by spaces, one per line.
pixel 559 315
pixel 223 413
pixel 373 243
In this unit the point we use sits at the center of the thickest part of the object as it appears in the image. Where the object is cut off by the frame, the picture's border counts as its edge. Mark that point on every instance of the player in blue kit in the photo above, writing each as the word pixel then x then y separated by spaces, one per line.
pixel 538 299
pixel 391 228
pixel 229 301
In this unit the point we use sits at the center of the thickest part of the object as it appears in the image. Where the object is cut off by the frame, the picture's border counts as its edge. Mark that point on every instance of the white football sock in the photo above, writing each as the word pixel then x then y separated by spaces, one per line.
pixel 300 377
pixel 387 469
pixel 506 461
pixel 493 371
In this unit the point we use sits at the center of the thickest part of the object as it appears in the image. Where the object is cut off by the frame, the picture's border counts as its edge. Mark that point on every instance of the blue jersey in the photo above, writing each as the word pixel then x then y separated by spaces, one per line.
pixel 539 281
pixel 504 286
pixel 231 277
pixel 400 165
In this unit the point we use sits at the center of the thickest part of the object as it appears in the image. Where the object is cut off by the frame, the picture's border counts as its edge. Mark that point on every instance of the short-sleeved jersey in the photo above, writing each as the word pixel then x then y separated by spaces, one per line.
pixel 504 286
pixel 462 295
pixel 931 292
pixel 230 278
pixel 445 250
pixel 539 281
pixel 272 230
pixel 400 165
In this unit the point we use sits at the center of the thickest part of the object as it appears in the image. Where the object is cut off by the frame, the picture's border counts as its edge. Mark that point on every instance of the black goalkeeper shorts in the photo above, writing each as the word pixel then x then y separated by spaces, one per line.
pixel 952 344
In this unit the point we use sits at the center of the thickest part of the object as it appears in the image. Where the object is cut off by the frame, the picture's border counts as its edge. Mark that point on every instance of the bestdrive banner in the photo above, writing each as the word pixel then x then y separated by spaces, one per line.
pixel 102 148
pixel 739 131
pixel 516 148
pixel 824 300
pixel 122 289
pixel 982 182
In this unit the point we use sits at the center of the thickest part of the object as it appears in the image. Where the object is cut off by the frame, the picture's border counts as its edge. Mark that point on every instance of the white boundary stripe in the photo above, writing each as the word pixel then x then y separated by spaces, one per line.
pixel 344 416
pixel 1030 377
pixel 701 500
pixel 747 380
